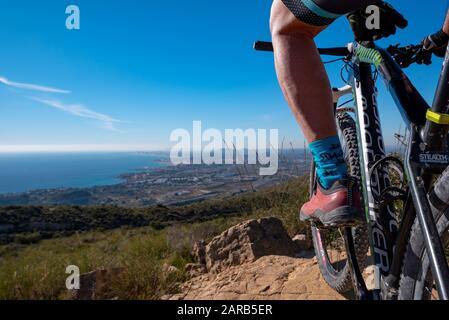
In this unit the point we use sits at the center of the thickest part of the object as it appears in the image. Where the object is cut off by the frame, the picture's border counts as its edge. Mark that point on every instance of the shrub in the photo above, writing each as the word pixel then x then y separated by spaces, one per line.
pixel 28 238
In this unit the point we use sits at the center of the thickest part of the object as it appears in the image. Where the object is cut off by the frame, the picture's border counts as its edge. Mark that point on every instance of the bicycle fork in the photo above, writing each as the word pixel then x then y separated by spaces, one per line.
pixel 427 153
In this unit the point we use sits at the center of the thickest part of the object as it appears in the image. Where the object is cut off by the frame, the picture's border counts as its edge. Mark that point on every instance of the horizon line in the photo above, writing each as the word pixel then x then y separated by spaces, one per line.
pixel 79 148
pixel 96 148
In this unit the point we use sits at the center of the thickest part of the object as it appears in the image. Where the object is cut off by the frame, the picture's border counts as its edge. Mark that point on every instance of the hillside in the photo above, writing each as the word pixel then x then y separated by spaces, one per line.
pixel 144 242
pixel 29 224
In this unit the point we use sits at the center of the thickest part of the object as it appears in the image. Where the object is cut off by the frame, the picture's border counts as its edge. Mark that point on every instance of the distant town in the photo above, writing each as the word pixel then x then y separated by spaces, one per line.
pixel 170 185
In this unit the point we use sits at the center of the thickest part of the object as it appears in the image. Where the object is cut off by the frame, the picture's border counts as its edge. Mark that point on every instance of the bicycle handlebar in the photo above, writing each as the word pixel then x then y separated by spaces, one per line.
pixel 404 56
pixel 263 46
pixel 339 51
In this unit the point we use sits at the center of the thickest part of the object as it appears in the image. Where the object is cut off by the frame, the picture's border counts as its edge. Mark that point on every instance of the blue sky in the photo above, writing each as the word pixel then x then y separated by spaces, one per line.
pixel 139 69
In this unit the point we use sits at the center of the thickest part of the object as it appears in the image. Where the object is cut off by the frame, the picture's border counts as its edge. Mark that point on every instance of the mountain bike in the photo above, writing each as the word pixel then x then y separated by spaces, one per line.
pixel 405 196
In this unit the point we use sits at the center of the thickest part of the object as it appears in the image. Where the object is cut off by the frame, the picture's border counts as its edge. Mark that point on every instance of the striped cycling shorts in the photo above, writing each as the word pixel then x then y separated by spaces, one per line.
pixel 309 12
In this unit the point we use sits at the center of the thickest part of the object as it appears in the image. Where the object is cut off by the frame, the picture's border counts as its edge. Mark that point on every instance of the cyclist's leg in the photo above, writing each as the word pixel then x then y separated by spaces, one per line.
pixel 301 73
pixel 446 24
pixel 305 84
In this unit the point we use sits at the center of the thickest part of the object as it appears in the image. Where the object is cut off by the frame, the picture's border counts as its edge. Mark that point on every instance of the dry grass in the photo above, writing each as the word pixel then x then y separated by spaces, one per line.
pixel 37 271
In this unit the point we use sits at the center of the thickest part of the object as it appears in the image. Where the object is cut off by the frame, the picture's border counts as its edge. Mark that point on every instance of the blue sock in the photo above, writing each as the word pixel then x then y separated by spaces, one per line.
pixel 329 160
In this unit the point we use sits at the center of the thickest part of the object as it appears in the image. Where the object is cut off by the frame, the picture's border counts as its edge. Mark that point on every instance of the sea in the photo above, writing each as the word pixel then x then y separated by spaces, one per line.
pixel 22 172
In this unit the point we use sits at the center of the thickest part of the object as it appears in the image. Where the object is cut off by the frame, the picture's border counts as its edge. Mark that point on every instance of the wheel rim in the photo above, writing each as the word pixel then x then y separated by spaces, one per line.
pixel 331 245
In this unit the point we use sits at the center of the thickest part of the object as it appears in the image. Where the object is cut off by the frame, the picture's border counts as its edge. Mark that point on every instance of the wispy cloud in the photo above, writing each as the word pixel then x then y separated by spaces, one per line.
pixel 29 86
pixel 107 122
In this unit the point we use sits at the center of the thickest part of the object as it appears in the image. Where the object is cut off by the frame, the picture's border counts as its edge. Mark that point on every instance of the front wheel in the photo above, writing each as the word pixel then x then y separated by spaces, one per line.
pixel 416 280
pixel 329 244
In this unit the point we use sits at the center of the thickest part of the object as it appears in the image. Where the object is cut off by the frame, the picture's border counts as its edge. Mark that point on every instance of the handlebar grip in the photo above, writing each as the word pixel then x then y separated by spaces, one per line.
pixel 338 52
pixel 263 46
pixel 268 46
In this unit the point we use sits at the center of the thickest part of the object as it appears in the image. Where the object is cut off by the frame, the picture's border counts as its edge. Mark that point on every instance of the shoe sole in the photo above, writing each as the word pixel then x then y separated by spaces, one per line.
pixel 340 217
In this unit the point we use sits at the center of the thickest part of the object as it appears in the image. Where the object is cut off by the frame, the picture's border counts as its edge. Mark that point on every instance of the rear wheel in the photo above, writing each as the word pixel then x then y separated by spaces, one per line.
pixel 329 244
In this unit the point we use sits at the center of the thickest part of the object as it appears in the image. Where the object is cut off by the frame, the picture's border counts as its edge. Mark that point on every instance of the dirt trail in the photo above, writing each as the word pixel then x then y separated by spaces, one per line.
pixel 270 277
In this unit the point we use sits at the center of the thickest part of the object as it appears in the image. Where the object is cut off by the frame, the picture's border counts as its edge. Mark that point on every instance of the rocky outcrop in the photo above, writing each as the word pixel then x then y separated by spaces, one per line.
pixel 247 242
pixel 256 260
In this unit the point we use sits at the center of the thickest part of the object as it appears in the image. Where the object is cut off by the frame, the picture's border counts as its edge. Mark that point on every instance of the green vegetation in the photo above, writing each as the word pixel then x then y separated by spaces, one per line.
pixel 32 268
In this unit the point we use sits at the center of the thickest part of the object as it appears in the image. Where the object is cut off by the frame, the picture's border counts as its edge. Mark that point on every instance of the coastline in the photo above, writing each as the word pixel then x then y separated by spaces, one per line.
pixel 32 172
pixel 166 185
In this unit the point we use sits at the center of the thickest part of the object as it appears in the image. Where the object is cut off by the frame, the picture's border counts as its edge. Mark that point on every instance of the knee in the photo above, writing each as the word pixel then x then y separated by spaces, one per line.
pixel 284 23
pixel 278 23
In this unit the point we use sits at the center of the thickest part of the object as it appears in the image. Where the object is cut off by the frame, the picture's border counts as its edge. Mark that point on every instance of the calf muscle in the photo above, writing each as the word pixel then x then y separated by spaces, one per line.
pixel 301 74
pixel 446 24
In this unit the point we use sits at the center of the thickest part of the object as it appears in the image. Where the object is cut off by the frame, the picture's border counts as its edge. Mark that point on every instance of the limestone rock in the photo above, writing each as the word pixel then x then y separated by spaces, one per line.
pixel 248 242
pixel 303 242
pixel 195 269
pixel 199 252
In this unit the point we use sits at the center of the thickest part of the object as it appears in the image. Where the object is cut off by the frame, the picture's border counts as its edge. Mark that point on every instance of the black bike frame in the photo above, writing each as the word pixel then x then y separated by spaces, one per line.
pixel 382 226
pixel 389 242
pixel 427 154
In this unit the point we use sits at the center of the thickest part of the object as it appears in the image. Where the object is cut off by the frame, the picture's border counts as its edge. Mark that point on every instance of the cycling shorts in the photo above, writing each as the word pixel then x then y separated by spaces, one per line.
pixel 323 12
